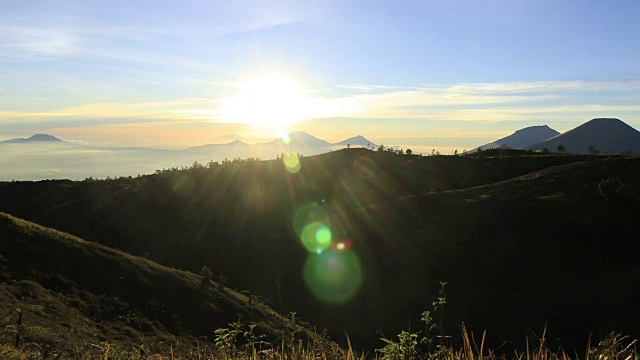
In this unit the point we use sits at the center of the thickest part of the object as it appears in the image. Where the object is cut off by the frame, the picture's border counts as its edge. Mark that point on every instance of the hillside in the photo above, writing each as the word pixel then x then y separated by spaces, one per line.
pixel 90 294
pixel 520 239
pixel 609 136
pixel 545 246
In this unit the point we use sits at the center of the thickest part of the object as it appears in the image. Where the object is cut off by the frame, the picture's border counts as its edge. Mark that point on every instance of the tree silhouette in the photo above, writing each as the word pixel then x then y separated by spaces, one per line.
pixel 408 152
pixel 561 148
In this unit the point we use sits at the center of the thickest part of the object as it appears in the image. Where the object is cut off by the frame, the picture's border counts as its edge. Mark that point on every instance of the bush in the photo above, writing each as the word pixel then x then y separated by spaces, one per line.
pixel 612 188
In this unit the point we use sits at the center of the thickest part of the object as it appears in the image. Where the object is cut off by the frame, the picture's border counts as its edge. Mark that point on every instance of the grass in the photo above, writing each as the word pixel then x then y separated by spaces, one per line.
pixel 61 321
pixel 491 225
pixel 613 347
pixel 60 294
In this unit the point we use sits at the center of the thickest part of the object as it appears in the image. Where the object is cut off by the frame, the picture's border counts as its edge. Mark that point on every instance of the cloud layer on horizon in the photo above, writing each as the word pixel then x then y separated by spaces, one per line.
pixel 548 101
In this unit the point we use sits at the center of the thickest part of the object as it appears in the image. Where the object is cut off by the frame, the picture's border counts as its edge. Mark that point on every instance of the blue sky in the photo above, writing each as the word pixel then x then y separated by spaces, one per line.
pixel 160 72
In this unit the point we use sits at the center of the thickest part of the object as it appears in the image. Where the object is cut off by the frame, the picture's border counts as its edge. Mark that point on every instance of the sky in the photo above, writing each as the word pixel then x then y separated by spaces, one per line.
pixel 441 73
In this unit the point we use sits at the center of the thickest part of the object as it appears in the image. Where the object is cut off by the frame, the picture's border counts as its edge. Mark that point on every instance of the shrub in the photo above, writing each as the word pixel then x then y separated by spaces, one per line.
pixel 612 188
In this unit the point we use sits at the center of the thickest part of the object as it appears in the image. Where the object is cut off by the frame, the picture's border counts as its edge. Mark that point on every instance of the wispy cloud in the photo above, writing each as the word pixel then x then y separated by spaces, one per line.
pixel 33 42
pixel 168 111
pixel 367 87
pixel 571 101
pixel 497 101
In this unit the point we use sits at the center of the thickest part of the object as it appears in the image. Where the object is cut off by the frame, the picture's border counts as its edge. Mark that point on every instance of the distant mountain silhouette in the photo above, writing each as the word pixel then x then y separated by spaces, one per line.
pixel 606 135
pixel 299 138
pixel 522 138
pixel 237 142
pixel 356 140
pixel 234 144
pixel 33 138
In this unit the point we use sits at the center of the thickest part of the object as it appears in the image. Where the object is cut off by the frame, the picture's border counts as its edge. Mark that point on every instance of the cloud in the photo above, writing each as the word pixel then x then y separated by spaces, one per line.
pixel 366 88
pixel 534 102
pixel 31 42
pixel 178 110
pixel 496 101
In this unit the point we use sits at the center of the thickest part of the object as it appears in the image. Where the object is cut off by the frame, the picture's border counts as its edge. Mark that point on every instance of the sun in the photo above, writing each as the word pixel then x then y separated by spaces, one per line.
pixel 268 101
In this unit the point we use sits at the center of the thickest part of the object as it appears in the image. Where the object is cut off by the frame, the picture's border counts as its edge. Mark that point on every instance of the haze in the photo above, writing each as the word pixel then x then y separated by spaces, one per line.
pixel 435 74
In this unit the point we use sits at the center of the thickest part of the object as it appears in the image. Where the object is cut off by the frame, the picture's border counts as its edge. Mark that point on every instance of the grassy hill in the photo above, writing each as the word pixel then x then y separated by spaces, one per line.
pixel 76 296
pixel 520 239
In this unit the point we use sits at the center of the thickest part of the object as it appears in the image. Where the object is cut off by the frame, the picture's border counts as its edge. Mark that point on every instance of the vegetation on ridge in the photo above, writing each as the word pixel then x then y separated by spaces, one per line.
pixel 507 232
pixel 64 293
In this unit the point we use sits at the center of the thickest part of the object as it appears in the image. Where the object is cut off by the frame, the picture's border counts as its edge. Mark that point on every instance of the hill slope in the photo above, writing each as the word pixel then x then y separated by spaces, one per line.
pixel 92 294
pixel 611 136
pixel 512 233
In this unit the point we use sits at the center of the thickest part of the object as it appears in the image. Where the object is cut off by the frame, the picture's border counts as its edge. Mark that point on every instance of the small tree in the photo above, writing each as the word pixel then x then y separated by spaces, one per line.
pixel 207 276
pixel 20 329
pixel 561 148
pixel 408 152
pixel 593 150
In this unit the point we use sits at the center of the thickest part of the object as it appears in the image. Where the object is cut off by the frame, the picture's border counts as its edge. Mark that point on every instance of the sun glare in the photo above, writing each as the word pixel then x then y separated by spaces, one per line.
pixel 268 101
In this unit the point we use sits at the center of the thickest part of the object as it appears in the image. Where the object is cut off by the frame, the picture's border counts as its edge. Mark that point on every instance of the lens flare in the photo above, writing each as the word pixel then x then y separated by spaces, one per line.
pixel 344 244
pixel 284 135
pixel 291 162
pixel 333 277
pixel 310 213
pixel 316 237
pixel 323 235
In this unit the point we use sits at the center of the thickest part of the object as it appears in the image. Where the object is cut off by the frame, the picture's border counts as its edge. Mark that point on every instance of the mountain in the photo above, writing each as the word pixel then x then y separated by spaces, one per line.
pixel 522 138
pixel 50 158
pixel 606 135
pixel 519 239
pixel 90 294
pixel 234 144
pixel 300 139
pixel 33 138
pixel 357 141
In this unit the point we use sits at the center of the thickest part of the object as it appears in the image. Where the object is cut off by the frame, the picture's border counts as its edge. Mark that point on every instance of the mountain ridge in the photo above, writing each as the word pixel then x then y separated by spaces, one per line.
pixel 358 140
pixel 605 135
pixel 33 138
pixel 521 138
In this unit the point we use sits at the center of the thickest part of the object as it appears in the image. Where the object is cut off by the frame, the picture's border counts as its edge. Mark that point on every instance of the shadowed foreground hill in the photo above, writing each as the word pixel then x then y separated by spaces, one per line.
pixel 520 239
pixel 91 294
pixel 560 245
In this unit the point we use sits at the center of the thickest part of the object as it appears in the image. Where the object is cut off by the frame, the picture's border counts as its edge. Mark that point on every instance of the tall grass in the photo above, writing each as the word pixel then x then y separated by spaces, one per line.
pixel 613 347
